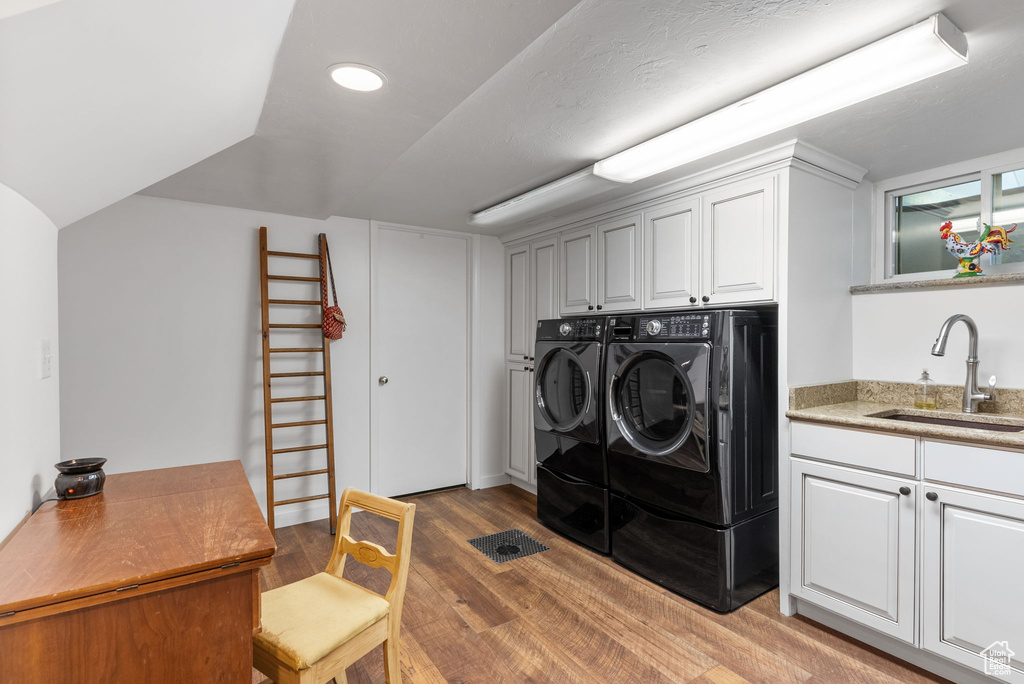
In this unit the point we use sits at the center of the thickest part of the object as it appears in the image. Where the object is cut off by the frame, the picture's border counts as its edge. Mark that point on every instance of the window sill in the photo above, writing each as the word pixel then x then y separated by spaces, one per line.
pixel 940 283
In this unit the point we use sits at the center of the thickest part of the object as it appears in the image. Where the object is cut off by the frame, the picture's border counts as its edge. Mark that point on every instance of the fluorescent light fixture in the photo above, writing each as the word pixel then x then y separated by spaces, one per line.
pixel 931 47
pixel 357 77
pixel 557 193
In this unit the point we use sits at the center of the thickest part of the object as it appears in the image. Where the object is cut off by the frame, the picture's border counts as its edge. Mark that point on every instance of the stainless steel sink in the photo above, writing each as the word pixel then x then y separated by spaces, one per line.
pixel 949 422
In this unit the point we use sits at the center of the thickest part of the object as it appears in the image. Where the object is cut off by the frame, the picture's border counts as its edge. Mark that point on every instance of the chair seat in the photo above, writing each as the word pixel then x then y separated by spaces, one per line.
pixel 306 620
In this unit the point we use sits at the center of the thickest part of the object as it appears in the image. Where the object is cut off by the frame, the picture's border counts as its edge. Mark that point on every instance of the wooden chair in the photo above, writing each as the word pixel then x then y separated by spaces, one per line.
pixel 315 628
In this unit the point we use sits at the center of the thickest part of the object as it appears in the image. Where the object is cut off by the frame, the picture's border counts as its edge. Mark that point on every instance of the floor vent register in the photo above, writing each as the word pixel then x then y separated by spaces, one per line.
pixel 507 545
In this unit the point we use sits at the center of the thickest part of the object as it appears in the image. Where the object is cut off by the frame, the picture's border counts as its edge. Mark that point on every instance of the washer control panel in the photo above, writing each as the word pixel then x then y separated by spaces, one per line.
pixel 683 326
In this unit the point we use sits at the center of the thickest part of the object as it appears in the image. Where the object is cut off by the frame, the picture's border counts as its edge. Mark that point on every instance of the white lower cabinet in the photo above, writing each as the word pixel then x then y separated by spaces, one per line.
pixel 973 596
pixel 855 536
pixel 519 440
pixel 853 545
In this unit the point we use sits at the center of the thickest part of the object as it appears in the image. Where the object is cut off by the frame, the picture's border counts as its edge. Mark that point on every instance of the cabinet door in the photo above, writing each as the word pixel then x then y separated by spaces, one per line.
pixel 544 282
pixel 973 598
pixel 618 264
pixel 738 243
pixel 671 246
pixel 854 544
pixel 520 422
pixel 518 328
pixel 577 275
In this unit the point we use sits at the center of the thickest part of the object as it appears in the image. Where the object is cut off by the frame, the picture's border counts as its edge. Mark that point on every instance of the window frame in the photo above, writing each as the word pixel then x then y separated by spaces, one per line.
pixel 884 236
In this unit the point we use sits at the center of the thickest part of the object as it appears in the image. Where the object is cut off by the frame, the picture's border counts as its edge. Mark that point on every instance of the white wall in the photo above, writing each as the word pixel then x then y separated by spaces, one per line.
pixel 893 333
pixel 29 405
pixel 489 364
pixel 162 356
pixel 160 329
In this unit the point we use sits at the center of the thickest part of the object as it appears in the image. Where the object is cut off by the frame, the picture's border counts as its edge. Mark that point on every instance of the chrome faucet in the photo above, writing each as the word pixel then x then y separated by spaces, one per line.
pixel 971 393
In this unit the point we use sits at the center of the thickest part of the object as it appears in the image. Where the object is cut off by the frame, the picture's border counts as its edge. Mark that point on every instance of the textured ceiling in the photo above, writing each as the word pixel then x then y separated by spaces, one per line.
pixel 100 98
pixel 487 100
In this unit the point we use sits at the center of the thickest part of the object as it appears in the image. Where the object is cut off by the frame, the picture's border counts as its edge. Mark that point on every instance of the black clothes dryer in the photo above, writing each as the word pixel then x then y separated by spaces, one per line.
pixel 691 443
pixel 572 472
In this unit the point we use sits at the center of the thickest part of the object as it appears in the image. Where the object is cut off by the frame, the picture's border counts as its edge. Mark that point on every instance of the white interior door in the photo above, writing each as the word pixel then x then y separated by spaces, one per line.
pixel 419 354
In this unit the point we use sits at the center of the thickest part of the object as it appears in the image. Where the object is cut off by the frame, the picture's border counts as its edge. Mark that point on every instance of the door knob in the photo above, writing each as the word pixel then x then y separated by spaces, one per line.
pixel 382 380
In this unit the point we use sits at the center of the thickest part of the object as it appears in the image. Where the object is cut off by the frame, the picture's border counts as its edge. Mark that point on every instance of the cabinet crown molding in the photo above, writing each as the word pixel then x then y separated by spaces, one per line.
pixel 791 153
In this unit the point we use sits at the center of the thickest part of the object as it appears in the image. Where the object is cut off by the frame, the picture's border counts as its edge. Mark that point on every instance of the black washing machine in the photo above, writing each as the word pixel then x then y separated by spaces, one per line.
pixel 572 472
pixel 691 427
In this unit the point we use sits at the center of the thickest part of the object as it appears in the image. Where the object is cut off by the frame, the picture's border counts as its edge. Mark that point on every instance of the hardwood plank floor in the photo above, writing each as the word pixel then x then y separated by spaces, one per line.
pixel 566 615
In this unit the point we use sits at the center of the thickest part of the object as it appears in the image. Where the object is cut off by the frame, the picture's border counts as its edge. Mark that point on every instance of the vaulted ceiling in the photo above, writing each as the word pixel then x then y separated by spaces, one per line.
pixel 485 100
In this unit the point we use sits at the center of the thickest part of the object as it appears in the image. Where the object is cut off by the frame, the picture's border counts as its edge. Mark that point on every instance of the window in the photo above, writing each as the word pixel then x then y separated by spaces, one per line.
pixel 918 215
pixel 913 214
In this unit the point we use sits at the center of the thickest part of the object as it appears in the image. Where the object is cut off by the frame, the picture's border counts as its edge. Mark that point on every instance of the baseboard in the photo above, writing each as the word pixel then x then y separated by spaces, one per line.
pixel 523 484
pixel 904 651
pixel 488 481
pixel 296 515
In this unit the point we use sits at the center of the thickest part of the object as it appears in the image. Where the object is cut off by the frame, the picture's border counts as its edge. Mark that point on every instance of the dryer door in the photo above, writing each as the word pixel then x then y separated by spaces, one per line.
pixel 565 391
pixel 656 401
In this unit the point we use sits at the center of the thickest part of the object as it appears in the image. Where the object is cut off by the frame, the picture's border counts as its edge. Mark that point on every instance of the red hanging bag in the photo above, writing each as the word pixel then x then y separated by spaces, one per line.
pixel 334 320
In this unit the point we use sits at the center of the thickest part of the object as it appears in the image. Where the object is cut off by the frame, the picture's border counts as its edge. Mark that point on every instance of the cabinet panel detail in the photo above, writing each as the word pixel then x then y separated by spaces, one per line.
pixel 618 273
pixel 854 545
pixel 520 438
pixel 517 282
pixel 974 550
pixel 739 243
pixel 578 276
pixel 671 255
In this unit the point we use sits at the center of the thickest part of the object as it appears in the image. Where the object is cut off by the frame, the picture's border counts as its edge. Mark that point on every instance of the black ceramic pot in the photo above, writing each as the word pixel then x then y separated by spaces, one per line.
pixel 79 478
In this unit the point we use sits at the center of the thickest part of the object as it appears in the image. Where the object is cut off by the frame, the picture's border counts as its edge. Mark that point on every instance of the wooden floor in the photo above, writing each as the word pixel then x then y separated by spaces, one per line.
pixel 566 616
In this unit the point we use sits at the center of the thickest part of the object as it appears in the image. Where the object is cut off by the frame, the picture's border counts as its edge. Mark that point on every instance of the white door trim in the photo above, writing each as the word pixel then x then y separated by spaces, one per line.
pixel 472 306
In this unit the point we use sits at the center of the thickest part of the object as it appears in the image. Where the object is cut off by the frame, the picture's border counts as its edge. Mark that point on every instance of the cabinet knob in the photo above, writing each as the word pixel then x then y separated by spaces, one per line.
pixel 590 308
pixel 705 299
pixel 525 357
pixel 598 307
pixel 905 491
pixel 693 300
pixel 932 496
pixel 382 380
pixel 531 358
pixel 526 368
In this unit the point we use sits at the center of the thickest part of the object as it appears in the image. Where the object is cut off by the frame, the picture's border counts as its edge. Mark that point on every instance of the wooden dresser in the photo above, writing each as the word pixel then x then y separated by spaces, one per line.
pixel 154 580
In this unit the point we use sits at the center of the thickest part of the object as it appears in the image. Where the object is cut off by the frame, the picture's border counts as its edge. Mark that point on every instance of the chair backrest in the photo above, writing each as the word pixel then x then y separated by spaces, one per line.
pixel 371 554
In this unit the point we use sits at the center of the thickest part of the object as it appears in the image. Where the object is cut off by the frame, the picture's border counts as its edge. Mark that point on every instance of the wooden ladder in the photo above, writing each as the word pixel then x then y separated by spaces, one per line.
pixel 269 400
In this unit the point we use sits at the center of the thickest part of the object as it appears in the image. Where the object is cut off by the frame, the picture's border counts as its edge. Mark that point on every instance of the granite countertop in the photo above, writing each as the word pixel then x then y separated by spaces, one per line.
pixel 864 405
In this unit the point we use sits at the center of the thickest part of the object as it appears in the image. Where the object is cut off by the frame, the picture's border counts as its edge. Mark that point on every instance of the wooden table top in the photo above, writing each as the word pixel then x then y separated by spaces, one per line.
pixel 145 526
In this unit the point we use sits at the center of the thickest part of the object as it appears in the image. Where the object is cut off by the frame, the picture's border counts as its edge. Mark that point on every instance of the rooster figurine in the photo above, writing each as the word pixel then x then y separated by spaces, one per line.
pixel 992 239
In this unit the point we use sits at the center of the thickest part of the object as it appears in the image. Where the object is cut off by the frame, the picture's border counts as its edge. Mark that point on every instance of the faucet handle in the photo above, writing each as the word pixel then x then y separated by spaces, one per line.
pixel 992 382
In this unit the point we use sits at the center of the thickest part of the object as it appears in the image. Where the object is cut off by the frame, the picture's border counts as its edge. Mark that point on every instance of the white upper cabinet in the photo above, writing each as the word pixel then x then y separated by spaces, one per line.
pixel 517 314
pixel 618 264
pixel 738 247
pixel 671 251
pixel 972 591
pixel 854 545
pixel 544 281
pixel 578 275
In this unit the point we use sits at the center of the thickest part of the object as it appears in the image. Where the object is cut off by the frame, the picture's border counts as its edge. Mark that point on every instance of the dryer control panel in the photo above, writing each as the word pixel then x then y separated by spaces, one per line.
pixel 571 329
pixel 668 327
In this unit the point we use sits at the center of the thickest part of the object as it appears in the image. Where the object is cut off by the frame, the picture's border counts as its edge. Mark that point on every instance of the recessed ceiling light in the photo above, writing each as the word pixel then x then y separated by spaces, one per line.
pixel 357 77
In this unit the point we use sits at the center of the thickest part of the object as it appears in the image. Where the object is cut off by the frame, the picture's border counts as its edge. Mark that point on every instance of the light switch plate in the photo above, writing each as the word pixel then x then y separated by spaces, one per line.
pixel 45 359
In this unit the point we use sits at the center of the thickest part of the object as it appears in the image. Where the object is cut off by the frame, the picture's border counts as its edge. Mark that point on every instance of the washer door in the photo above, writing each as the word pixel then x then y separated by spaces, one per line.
pixel 656 409
pixel 563 390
